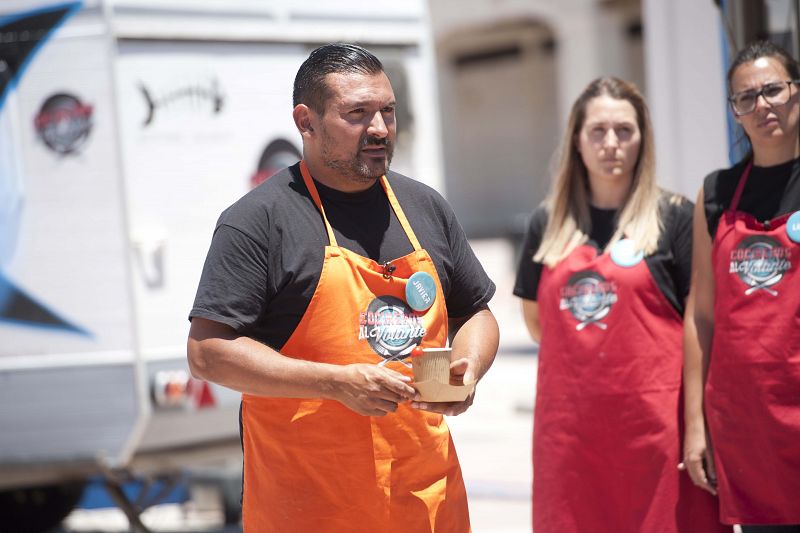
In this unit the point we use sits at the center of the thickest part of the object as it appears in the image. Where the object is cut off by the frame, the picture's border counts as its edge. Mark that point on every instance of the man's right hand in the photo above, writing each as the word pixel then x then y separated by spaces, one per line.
pixel 372 390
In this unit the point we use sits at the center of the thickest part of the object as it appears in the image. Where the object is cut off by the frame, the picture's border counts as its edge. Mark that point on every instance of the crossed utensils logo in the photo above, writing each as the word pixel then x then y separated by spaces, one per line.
pixel 589 297
pixel 391 328
pixel 760 262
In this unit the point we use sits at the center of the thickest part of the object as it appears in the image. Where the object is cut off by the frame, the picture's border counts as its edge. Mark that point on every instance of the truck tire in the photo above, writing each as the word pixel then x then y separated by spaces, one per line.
pixel 231 492
pixel 38 509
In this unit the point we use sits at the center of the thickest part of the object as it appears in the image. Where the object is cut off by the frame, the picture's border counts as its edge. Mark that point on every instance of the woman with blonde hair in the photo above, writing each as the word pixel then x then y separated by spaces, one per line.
pixel 743 313
pixel 603 276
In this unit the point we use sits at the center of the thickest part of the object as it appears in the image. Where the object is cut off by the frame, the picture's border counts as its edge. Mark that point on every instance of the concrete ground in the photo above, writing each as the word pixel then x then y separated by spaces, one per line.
pixel 493 438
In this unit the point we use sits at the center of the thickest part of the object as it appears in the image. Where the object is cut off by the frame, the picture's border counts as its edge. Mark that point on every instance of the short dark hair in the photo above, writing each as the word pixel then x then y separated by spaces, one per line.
pixel 758 49
pixel 309 84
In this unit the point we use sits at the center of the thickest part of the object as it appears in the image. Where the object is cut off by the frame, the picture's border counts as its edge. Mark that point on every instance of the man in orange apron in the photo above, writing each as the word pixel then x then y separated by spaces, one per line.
pixel 309 304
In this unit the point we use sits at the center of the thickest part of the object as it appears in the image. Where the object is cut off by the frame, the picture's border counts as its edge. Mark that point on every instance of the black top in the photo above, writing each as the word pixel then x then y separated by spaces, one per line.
pixel 670 265
pixel 267 251
pixel 769 192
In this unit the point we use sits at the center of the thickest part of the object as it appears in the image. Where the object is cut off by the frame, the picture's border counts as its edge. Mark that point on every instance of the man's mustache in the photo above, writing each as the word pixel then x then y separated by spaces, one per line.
pixel 374 141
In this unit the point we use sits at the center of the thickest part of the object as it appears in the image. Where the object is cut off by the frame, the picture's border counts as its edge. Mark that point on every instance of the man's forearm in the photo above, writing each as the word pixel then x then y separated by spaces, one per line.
pixel 247 366
pixel 476 339
pixel 217 353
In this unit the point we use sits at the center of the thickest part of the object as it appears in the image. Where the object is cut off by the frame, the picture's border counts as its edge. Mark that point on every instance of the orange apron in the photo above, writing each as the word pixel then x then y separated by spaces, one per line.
pixel 315 465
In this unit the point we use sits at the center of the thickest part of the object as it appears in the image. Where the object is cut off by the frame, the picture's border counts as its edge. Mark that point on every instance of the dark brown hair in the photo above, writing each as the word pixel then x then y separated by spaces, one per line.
pixel 309 83
pixel 757 49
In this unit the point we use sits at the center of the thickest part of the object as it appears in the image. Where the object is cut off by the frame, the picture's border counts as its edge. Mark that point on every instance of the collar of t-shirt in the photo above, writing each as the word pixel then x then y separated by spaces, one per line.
pixel 604 222
pixel 361 197
pixel 770 191
pixel 364 222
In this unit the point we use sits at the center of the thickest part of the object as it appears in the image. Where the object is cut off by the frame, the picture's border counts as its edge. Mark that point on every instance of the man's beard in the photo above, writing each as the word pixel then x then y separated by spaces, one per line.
pixel 356 168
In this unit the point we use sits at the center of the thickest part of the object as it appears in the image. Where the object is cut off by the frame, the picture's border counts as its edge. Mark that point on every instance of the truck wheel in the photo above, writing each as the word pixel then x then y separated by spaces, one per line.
pixel 231 492
pixel 38 509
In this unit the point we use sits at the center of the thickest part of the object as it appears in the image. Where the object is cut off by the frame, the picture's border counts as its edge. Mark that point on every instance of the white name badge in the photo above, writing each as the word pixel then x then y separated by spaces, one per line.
pixel 793 227
pixel 625 254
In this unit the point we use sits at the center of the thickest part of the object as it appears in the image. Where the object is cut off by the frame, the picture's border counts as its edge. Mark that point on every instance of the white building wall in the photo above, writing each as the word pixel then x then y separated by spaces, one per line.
pixel 685 80
pixel 503 120
pixel 503 130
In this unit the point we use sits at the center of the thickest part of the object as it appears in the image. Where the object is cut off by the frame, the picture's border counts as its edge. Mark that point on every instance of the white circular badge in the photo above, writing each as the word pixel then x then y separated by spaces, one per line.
pixel 625 254
pixel 793 227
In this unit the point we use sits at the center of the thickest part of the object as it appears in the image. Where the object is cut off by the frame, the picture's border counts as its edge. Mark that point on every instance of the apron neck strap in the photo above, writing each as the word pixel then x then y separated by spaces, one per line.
pixel 398 211
pixel 401 216
pixel 315 196
pixel 740 187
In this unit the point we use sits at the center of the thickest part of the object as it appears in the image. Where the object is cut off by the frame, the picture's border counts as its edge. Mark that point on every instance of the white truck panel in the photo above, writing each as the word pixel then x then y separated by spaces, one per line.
pixel 215 106
pixel 69 386
pixel 72 247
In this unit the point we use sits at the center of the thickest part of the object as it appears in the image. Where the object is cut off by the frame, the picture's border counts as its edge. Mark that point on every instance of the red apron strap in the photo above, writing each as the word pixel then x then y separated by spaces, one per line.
pixel 740 187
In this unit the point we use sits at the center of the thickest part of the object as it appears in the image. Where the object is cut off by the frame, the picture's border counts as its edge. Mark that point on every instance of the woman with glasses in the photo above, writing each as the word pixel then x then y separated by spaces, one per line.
pixel 742 328
pixel 603 276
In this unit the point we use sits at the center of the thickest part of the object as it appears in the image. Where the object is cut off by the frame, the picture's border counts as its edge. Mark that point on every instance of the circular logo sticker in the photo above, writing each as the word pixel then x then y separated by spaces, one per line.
pixel 625 254
pixel 64 123
pixel 420 291
pixel 760 262
pixel 589 297
pixel 391 327
pixel 793 227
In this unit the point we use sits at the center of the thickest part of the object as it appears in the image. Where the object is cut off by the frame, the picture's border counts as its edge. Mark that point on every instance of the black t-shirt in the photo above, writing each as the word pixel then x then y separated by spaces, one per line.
pixel 267 251
pixel 670 265
pixel 769 192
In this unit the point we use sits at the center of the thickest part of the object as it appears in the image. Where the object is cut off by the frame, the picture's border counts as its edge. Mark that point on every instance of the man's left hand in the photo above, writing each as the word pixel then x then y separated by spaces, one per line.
pixel 460 372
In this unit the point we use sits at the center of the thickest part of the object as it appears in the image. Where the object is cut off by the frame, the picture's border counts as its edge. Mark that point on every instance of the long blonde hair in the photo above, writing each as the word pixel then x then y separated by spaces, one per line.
pixel 569 222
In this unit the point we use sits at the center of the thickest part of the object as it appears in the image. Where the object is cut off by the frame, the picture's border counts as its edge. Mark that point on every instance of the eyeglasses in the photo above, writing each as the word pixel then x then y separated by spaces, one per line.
pixel 775 93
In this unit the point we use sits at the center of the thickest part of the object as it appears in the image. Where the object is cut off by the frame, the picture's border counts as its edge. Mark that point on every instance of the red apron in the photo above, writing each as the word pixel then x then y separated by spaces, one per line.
pixel 315 465
pixel 606 439
pixel 752 396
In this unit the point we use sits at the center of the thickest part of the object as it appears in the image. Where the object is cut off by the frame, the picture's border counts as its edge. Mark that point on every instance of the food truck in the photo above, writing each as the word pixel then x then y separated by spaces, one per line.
pixel 126 127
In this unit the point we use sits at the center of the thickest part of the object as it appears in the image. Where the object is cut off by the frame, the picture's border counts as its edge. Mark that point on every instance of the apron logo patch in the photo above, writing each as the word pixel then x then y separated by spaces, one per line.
pixel 391 327
pixel 589 297
pixel 760 262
